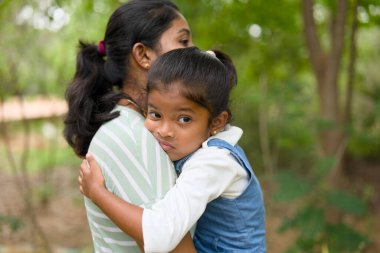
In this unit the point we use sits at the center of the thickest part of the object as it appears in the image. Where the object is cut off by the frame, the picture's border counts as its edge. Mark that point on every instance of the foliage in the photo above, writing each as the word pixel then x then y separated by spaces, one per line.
pixel 275 81
pixel 275 101
pixel 13 222
pixel 313 217
pixel 41 59
pixel 46 152
pixel 263 62
pixel 17 153
pixel 264 38
pixel 364 131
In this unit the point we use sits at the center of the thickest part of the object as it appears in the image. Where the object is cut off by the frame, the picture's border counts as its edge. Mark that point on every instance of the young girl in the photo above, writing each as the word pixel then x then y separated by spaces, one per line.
pixel 188 113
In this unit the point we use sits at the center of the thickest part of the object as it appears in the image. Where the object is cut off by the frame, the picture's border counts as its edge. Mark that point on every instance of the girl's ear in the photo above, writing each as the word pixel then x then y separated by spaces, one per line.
pixel 218 123
pixel 143 55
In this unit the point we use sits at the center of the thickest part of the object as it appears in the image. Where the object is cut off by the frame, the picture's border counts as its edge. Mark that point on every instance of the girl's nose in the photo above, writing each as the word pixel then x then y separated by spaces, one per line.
pixel 166 130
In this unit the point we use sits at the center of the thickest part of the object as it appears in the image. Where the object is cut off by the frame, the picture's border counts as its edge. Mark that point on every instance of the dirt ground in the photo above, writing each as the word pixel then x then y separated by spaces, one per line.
pixel 64 223
pixel 63 219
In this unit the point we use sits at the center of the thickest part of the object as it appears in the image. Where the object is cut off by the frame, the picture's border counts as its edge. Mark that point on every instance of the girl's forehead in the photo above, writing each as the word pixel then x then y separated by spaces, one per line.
pixel 174 86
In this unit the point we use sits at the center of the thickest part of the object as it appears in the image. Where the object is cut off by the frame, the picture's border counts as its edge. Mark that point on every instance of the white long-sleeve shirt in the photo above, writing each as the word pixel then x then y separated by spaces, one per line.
pixel 211 172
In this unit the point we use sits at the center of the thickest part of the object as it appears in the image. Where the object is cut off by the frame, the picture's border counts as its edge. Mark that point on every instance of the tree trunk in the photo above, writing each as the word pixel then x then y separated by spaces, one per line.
pixel 263 126
pixel 351 66
pixel 326 66
pixel 347 118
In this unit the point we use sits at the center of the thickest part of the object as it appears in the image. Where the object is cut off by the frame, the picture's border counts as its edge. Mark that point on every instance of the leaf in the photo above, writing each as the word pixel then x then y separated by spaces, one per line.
pixel 15 223
pixel 344 239
pixel 346 202
pixel 290 186
pixel 310 222
pixel 294 249
pixel 323 166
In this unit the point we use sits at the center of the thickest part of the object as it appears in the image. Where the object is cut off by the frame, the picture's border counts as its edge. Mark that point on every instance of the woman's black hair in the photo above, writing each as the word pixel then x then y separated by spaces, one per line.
pixel 205 77
pixel 91 95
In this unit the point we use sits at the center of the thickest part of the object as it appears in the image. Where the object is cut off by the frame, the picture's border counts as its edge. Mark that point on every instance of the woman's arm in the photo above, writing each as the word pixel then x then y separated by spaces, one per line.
pixel 126 216
pixel 91 184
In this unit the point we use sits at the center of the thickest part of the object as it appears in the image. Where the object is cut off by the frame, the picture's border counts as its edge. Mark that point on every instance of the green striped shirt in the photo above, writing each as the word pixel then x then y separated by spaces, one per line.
pixel 135 168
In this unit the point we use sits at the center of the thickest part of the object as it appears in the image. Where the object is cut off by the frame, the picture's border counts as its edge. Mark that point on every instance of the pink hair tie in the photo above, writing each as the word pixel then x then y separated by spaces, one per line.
pixel 101 48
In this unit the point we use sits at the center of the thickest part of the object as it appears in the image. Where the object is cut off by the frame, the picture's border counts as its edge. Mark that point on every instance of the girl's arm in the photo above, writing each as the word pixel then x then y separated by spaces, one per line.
pixel 208 174
pixel 91 183
pixel 204 177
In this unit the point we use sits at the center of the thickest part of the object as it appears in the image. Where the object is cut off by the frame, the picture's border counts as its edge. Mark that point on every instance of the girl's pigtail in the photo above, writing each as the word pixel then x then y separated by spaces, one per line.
pixel 231 72
pixel 90 99
pixel 227 62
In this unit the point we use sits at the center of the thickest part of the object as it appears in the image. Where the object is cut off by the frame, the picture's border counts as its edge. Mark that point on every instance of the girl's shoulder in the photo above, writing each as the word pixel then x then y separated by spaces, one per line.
pixel 212 157
pixel 230 134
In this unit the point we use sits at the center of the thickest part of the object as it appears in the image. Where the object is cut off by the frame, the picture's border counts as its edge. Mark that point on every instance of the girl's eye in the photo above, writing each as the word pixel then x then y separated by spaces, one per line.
pixel 184 119
pixel 154 115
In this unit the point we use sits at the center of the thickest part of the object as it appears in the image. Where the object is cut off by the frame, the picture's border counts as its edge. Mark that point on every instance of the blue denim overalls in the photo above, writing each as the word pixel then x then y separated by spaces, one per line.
pixel 232 225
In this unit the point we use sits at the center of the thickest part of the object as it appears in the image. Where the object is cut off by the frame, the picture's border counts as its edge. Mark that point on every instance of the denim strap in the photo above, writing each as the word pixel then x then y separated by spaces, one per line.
pixel 236 151
pixel 179 163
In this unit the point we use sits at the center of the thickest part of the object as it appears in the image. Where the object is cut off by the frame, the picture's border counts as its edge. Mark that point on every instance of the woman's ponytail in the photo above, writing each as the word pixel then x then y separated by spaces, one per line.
pixel 90 99
pixel 101 69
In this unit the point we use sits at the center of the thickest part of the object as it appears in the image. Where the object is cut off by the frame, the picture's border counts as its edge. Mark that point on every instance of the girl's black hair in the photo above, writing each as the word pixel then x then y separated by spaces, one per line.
pixel 91 95
pixel 204 78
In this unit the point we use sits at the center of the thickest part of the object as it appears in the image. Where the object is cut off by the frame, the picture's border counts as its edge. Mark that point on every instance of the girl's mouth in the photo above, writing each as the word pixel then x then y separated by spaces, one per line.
pixel 166 146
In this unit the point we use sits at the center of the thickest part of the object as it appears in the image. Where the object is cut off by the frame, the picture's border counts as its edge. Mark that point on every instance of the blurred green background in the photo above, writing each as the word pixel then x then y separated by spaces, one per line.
pixel 308 100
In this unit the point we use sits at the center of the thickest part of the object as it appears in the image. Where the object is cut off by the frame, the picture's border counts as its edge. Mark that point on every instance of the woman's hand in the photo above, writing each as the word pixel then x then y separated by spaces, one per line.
pixel 90 177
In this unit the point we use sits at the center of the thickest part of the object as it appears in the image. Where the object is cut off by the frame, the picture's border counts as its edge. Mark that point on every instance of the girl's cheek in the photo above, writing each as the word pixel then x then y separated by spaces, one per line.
pixel 146 124
pixel 149 125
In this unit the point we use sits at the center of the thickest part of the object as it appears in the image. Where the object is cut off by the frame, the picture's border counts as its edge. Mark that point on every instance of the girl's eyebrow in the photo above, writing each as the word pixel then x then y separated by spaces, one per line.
pixel 184 109
pixel 151 105
pixel 179 109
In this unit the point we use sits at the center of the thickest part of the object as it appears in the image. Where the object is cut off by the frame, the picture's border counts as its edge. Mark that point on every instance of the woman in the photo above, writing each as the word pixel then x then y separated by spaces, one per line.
pixel 110 124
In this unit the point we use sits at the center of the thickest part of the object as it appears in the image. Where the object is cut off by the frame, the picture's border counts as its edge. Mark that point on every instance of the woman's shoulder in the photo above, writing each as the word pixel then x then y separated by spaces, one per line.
pixel 129 113
pixel 127 128
pixel 127 117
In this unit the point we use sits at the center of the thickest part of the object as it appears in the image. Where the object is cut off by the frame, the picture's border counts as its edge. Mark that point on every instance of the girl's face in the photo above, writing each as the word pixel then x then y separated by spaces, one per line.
pixel 179 124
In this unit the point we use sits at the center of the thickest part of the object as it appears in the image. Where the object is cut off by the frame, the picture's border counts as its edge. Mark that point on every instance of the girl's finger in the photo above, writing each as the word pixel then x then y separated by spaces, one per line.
pixel 91 162
pixel 84 167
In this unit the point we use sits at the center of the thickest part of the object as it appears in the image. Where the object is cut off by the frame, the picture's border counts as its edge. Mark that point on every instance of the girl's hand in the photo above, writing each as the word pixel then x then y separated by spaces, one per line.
pixel 90 177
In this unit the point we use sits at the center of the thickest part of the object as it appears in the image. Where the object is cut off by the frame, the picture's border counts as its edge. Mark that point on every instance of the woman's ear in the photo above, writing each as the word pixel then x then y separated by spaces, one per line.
pixel 142 55
pixel 218 123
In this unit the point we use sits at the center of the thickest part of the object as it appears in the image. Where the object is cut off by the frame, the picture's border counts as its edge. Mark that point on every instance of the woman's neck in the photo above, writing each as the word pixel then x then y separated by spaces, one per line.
pixel 138 96
pixel 135 85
